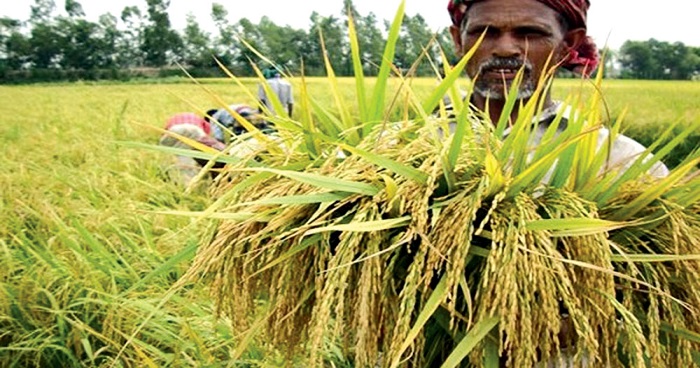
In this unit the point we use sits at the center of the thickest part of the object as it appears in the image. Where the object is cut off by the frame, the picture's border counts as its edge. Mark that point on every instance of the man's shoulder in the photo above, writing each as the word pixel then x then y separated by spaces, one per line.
pixel 624 151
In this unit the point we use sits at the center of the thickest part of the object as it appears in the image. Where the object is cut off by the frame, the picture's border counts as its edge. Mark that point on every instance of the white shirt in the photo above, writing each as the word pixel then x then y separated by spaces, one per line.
pixel 281 88
pixel 623 152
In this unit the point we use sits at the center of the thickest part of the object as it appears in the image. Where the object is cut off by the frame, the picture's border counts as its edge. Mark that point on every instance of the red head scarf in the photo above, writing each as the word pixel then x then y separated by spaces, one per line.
pixel 582 60
pixel 188 118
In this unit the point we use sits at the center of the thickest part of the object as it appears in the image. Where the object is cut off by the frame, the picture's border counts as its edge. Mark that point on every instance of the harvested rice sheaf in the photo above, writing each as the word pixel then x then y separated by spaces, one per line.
pixel 405 245
pixel 358 265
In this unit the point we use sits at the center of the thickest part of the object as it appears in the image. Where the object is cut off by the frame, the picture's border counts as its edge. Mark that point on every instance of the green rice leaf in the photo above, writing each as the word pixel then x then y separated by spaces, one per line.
pixel 605 191
pixel 575 226
pixel 234 191
pixel 689 192
pixel 655 191
pixel 307 121
pixel 377 101
pixel 456 99
pixel 299 199
pixel 680 332
pixel 389 164
pixel 433 303
pixel 534 173
pixel 469 342
pixel 439 92
pixel 518 138
pixel 462 130
pixel 357 68
pixel 235 216
pixel 345 118
pixel 185 255
pixel 504 121
pixel 491 358
pixel 322 181
pixel 216 156
pixel 479 251
pixel 332 126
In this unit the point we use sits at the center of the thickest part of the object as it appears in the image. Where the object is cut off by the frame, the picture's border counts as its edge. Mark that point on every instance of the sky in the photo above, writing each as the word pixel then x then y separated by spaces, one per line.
pixel 611 22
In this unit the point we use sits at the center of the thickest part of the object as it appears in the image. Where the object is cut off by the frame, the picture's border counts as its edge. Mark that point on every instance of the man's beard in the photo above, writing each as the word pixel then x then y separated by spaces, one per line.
pixel 497 89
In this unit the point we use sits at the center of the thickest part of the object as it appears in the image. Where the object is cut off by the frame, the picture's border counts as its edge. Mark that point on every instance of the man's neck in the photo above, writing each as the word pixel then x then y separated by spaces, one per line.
pixel 495 107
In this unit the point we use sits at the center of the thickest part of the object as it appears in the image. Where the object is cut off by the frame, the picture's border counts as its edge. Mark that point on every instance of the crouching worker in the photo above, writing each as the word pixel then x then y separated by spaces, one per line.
pixel 178 130
pixel 224 124
pixel 227 128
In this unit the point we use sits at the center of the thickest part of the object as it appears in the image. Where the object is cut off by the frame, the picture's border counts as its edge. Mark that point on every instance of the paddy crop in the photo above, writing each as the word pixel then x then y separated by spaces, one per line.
pixel 88 260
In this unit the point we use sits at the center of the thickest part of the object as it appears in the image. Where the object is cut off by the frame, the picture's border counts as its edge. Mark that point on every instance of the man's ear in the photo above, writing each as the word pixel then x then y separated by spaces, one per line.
pixel 457 39
pixel 574 37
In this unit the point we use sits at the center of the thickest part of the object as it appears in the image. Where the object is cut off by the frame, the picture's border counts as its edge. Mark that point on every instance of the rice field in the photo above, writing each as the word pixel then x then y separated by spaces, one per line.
pixel 89 263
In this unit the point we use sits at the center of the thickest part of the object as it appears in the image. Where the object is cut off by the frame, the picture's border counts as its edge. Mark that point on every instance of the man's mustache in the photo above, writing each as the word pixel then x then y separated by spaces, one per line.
pixel 496 63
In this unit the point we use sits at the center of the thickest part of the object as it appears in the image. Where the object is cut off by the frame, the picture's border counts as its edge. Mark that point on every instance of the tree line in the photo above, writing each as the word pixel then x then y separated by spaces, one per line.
pixel 655 59
pixel 142 41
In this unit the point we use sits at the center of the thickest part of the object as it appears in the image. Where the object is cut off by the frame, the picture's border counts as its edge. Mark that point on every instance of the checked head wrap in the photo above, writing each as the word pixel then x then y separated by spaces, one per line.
pixel 583 60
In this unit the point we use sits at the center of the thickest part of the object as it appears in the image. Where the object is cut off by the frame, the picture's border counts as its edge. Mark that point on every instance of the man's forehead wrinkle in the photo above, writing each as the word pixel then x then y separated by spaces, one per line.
pixel 505 16
pixel 503 22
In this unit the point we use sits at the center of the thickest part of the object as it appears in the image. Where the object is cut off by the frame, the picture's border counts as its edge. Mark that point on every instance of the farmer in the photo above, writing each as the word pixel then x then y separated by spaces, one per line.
pixel 180 128
pixel 280 87
pixel 522 34
pixel 245 144
pixel 227 123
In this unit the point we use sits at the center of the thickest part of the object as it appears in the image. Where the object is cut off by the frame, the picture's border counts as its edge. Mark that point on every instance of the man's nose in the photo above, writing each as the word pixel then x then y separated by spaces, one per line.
pixel 507 45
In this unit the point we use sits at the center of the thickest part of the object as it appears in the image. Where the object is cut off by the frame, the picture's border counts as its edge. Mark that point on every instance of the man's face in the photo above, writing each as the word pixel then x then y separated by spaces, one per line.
pixel 519 34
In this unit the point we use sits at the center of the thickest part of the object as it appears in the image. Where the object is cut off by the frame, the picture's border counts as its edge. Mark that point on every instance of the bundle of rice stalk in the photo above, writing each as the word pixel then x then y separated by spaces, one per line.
pixel 406 244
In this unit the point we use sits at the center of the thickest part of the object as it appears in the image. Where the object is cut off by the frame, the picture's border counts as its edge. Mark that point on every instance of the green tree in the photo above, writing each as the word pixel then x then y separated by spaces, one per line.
pixel 611 62
pixel 694 63
pixel 250 33
pixel 197 50
pixel 416 37
pixel 638 62
pixel 41 11
pixel 331 29
pixel 444 42
pixel 74 9
pixel 15 49
pixel 655 59
pixel 82 44
pixel 161 44
pixel 112 37
pixel 678 61
pixel 130 43
pixel 44 41
pixel 224 43
pixel 282 44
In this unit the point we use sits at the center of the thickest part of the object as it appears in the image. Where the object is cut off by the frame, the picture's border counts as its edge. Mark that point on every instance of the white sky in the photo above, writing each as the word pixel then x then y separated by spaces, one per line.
pixel 612 20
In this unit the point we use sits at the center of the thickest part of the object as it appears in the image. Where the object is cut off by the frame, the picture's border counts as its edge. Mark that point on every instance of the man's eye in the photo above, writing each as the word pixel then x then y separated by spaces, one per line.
pixel 477 31
pixel 532 32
